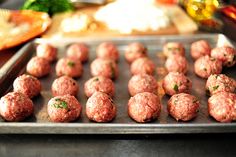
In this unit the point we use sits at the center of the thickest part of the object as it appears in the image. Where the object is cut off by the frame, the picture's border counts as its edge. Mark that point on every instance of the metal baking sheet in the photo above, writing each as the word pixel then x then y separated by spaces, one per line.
pixel 122 124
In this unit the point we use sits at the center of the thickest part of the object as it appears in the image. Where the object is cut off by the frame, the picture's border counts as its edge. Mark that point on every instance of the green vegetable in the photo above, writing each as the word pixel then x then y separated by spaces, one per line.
pixel 215 87
pixel 60 104
pixel 96 79
pixel 71 64
pixel 176 88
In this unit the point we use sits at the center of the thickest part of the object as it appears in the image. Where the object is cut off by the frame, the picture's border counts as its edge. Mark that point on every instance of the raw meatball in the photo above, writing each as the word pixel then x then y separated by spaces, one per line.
pixel 144 107
pixel 46 51
pixel 173 48
pixel 226 54
pixel 142 83
pixel 64 108
pixel 142 66
pixel 15 107
pixel 70 67
pixel 183 106
pixel 107 50
pixel 104 67
pixel 28 85
pixel 100 107
pixel 64 85
pixel 205 66
pixel 222 105
pixel 99 84
pixel 78 51
pixel 175 83
pixel 134 51
pixel 176 63
pixel 220 83
pixel 200 48
pixel 38 67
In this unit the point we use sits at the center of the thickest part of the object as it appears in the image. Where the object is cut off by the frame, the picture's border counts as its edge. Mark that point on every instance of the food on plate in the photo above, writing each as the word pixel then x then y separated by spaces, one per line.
pixel 183 106
pixel 226 54
pixel 46 51
pixel 134 51
pixel 142 83
pixel 142 66
pixel 221 106
pixel 15 107
pixel 38 67
pixel 64 108
pixel 176 63
pixel 175 83
pixel 220 83
pixel 64 85
pixel 69 67
pixel 107 50
pixel 200 48
pixel 144 107
pixel 99 84
pixel 205 66
pixel 173 48
pixel 78 51
pixel 28 85
pixel 104 67
pixel 100 107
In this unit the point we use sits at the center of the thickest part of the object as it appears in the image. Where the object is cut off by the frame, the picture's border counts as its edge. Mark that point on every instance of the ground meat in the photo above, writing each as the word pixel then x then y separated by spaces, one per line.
pixel 183 106
pixel 107 50
pixel 28 85
pixel 226 54
pixel 46 51
pixel 64 85
pixel 99 84
pixel 70 67
pixel 78 51
pixel 64 108
pixel 100 107
pixel 175 83
pixel 104 67
pixel 142 66
pixel 144 107
pixel 142 83
pixel 222 105
pixel 176 63
pixel 38 67
pixel 134 51
pixel 205 66
pixel 220 83
pixel 200 48
pixel 173 48
pixel 15 106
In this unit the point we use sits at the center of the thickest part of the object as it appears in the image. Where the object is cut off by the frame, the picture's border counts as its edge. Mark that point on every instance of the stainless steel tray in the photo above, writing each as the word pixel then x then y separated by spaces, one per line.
pixel 122 124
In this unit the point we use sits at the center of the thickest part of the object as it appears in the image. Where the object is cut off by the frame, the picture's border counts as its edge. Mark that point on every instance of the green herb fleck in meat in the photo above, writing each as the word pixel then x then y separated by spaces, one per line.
pixel 96 79
pixel 176 88
pixel 71 64
pixel 215 87
pixel 60 104
pixel 212 59
pixel 204 69
pixel 195 101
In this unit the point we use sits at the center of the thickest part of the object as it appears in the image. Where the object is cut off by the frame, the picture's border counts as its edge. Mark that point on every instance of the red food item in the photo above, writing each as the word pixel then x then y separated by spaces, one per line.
pixel 78 51
pixel 177 63
pixel 134 51
pixel 142 66
pixel 173 48
pixel 230 11
pixel 200 48
pixel 107 50
pixel 46 51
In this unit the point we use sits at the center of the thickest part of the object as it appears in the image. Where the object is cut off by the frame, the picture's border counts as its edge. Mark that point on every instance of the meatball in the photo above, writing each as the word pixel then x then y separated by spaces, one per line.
pixel 28 85
pixel 175 83
pixel 46 51
pixel 134 51
pixel 64 85
pixel 78 51
pixel 200 48
pixel 205 66
pixel 15 107
pixel 173 48
pixel 107 50
pixel 99 84
pixel 183 106
pixel 144 107
pixel 142 83
pixel 142 66
pixel 100 107
pixel 176 63
pixel 220 83
pixel 64 108
pixel 222 105
pixel 70 67
pixel 226 54
pixel 38 67
pixel 104 67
